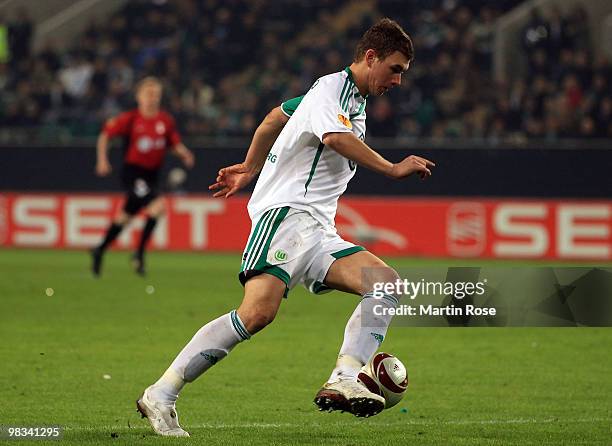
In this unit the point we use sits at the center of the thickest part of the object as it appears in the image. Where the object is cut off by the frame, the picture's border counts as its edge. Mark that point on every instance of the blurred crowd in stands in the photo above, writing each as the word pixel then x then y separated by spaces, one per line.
pixel 226 63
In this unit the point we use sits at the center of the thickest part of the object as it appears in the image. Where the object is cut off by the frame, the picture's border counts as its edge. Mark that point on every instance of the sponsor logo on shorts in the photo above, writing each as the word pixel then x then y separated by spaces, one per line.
pixel 280 255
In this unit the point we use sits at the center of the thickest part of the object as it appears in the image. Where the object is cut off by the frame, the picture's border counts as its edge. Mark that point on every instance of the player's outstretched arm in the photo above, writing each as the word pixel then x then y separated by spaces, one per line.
pixel 233 178
pixel 103 167
pixel 351 147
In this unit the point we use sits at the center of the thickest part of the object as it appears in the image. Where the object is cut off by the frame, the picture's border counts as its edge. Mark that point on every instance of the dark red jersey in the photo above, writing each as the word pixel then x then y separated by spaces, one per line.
pixel 148 139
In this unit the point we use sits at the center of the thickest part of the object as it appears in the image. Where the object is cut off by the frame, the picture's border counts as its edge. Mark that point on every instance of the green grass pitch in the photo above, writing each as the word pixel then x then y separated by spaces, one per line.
pixel 489 386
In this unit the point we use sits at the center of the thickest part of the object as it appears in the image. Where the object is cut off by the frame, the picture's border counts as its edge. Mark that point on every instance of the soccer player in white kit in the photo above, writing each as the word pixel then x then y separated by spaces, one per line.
pixel 305 151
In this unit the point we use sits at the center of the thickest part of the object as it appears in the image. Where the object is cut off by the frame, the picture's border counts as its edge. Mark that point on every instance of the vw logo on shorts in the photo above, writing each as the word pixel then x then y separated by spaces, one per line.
pixel 280 255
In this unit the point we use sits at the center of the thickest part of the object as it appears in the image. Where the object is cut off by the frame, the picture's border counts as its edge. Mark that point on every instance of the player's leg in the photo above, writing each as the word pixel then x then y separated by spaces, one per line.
pixel 154 210
pixel 357 273
pixel 262 297
pixel 265 285
pixel 211 343
pixel 366 328
pixel 137 189
pixel 114 229
pixel 112 232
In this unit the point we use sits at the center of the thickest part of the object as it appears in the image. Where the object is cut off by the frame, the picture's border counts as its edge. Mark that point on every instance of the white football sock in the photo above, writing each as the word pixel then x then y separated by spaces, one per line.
pixel 364 332
pixel 208 346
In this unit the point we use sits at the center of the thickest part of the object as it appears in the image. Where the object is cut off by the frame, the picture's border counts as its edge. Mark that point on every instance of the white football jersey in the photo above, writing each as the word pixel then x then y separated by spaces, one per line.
pixel 300 171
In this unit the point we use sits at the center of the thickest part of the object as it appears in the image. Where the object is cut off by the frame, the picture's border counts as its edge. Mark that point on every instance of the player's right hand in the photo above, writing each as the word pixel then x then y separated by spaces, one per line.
pixel 103 169
pixel 231 179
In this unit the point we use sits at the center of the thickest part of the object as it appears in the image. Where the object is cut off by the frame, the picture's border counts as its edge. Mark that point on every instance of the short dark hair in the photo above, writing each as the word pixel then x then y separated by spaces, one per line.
pixel 385 37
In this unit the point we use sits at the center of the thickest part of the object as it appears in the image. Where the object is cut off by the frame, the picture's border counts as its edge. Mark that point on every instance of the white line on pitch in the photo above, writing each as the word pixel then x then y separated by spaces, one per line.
pixel 368 423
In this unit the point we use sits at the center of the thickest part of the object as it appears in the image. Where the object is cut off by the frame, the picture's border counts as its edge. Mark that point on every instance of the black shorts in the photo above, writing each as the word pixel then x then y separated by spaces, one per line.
pixel 141 186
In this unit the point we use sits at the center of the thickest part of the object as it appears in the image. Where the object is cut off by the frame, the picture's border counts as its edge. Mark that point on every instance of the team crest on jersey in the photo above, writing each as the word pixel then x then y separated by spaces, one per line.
pixel 160 127
pixel 345 121
pixel 144 144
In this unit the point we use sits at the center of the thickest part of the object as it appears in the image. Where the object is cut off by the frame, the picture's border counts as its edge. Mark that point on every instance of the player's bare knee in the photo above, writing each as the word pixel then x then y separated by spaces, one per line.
pixel 122 219
pixel 156 213
pixel 379 275
pixel 156 209
pixel 256 319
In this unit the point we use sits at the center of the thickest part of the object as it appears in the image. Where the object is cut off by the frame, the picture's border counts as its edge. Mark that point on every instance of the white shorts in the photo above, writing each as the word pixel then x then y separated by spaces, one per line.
pixel 293 246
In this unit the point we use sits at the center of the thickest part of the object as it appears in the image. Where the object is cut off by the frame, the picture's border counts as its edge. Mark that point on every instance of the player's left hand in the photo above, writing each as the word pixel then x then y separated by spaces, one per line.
pixel 412 164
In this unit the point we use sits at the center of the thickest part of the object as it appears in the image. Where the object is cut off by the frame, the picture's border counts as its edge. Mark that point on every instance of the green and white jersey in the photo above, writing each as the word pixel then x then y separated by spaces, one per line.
pixel 300 171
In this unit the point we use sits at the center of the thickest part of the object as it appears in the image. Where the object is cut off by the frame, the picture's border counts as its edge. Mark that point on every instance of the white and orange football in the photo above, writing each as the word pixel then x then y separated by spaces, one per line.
pixel 386 376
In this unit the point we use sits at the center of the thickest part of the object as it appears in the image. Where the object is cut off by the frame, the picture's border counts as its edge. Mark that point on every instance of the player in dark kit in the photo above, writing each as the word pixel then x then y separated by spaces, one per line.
pixel 149 132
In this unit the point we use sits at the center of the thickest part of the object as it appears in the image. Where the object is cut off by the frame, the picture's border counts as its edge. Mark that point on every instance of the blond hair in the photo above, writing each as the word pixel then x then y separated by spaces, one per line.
pixel 149 80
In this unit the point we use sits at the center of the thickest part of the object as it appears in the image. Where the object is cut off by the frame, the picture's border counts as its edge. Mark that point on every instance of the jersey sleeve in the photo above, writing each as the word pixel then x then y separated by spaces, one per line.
pixel 173 136
pixel 326 112
pixel 119 125
pixel 288 107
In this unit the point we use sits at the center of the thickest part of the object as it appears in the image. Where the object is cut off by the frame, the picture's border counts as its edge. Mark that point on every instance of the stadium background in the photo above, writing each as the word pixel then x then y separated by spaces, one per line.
pixel 513 101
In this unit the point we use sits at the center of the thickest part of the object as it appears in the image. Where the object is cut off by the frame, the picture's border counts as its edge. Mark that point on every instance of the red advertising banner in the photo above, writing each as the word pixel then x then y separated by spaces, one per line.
pixel 427 227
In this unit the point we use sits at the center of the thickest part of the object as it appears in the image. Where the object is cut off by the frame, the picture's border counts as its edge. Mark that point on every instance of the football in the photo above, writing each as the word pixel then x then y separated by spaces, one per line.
pixel 386 376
